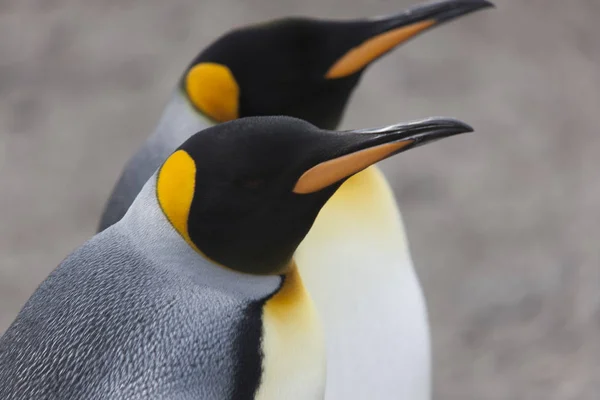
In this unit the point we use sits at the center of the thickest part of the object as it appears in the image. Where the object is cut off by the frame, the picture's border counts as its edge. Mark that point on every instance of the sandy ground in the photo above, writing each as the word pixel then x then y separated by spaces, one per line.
pixel 504 223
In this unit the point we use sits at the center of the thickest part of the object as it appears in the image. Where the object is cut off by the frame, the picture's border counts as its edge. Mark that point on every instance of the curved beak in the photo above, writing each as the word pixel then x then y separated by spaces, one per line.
pixel 374 37
pixel 349 152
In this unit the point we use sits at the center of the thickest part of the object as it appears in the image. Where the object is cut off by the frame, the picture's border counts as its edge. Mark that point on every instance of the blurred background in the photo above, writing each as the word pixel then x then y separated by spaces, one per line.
pixel 504 224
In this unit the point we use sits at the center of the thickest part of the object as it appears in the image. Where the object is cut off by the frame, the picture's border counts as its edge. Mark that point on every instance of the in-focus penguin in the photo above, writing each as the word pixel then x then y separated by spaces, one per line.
pixel 194 294
pixel 306 68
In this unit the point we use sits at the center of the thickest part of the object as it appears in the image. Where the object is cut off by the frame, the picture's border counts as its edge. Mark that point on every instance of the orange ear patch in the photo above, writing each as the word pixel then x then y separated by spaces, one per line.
pixel 212 89
pixel 175 191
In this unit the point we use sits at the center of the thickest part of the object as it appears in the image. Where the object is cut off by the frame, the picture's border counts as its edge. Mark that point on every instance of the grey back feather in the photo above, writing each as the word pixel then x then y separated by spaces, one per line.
pixel 178 122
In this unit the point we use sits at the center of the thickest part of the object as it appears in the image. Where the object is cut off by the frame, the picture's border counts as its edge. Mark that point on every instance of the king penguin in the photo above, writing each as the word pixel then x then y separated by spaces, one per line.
pixel 375 317
pixel 194 293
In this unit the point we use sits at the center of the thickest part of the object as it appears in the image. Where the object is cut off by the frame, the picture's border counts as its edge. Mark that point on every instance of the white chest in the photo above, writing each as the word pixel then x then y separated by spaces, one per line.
pixel 356 265
pixel 293 346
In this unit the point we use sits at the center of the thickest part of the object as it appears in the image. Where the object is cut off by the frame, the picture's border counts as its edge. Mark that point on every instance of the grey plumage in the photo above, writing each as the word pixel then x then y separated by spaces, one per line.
pixel 136 313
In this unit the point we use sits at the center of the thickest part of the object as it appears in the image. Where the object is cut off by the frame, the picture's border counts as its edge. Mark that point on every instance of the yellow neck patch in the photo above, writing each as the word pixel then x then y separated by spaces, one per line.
pixel 175 191
pixel 358 57
pixel 293 344
pixel 213 90
pixel 291 294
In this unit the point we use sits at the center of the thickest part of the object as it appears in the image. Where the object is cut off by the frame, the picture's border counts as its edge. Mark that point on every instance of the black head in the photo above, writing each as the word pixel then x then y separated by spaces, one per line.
pixel 245 193
pixel 301 67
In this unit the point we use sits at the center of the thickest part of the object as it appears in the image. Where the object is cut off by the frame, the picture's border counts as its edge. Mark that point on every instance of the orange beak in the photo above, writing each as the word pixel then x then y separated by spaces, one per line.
pixel 376 37
pixel 353 151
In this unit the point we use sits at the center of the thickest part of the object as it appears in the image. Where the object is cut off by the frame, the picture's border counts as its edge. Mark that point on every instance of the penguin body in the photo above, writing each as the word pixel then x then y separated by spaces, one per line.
pixel 391 327
pixel 138 314
pixel 195 293
pixel 358 243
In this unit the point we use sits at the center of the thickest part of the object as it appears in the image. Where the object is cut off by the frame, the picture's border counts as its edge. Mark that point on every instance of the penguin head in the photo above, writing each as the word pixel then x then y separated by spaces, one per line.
pixel 245 193
pixel 301 67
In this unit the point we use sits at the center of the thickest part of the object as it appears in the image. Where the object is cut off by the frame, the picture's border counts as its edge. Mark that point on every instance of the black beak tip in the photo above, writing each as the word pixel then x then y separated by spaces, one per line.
pixel 473 5
pixel 450 126
pixel 485 4
pixel 452 9
pixel 462 127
